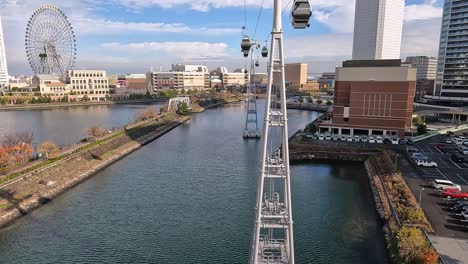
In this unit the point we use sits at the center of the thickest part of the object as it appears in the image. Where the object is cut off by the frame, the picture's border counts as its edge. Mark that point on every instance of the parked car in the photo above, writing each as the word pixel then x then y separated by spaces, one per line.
pixel 357 138
pixel 418 155
pixel 379 140
pixel 454 193
pixel 343 138
pixel 321 137
pixel 387 141
pixel 463 150
pixel 349 138
pixel 372 140
pixel 460 207
pixel 454 202
pixel 411 150
pixel 465 214
pixel 365 139
pixel 448 140
pixel 402 142
pixel 395 141
pixel 427 163
pixel 328 137
pixel 458 158
pixel 444 184
pixel 335 138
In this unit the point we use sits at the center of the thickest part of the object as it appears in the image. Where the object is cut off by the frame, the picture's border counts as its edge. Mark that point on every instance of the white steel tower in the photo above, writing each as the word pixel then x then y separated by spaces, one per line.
pixel 251 121
pixel 3 60
pixel 273 240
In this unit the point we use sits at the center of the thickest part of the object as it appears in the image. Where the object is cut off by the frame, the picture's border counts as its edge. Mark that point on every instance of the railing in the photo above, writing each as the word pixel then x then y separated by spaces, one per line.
pixel 439 132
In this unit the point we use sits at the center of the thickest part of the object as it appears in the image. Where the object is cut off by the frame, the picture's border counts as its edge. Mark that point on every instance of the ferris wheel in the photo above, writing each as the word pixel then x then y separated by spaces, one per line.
pixel 50 42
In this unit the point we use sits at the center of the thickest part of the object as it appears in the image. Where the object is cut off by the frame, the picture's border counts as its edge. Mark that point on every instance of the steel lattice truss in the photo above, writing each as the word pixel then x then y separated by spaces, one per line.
pixel 50 42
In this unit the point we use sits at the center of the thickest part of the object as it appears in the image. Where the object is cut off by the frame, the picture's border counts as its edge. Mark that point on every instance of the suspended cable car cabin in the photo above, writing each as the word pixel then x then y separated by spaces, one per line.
pixel 300 14
pixel 264 52
pixel 245 46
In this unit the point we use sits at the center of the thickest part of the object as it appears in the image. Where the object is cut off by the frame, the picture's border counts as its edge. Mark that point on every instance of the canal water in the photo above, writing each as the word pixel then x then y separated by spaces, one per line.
pixel 189 197
pixel 66 126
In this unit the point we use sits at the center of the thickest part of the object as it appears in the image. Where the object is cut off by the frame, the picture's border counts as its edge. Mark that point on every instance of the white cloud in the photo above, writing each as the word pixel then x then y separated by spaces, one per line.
pixel 87 25
pixel 423 11
pixel 421 37
pixel 180 50
pixel 321 47
pixel 84 25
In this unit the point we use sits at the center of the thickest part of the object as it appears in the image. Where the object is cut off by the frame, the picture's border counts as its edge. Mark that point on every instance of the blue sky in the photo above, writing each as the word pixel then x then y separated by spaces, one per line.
pixel 127 36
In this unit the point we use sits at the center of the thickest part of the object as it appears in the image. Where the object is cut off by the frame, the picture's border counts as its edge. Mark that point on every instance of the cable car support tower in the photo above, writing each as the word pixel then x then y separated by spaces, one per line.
pixel 251 120
pixel 273 240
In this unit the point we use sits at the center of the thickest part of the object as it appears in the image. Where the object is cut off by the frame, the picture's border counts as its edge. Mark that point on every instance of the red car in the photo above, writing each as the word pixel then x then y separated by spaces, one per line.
pixel 454 193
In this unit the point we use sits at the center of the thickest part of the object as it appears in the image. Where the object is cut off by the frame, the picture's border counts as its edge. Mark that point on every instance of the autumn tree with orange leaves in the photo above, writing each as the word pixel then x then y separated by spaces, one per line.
pixel 15 148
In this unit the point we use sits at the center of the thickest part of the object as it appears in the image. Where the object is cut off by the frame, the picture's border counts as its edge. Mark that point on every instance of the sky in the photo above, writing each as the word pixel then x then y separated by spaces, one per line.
pixel 130 36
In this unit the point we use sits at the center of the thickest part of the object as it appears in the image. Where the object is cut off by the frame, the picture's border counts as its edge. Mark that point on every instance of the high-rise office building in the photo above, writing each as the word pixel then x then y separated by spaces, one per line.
pixel 3 61
pixel 452 67
pixel 378 27
pixel 426 74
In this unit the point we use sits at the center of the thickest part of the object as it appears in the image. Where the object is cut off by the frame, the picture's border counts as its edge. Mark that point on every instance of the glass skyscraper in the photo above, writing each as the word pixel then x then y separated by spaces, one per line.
pixel 452 67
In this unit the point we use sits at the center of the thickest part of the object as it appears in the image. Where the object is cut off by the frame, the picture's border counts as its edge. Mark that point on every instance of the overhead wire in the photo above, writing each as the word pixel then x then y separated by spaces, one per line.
pixel 258 18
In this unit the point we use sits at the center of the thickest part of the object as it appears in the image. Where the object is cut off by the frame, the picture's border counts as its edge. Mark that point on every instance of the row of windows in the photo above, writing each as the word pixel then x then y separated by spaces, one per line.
pixel 90 87
pixel 90 81
pixel 87 75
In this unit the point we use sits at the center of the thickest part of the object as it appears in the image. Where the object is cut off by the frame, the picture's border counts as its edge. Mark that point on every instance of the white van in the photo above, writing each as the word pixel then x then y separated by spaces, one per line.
pixel 444 184
pixel 425 163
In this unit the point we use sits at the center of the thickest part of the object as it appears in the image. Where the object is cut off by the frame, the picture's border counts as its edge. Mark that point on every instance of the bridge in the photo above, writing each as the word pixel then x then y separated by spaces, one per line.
pixel 174 102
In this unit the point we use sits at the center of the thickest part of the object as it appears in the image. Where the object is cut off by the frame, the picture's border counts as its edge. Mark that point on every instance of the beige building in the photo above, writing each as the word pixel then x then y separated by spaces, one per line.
pixel 238 78
pixel 93 84
pixel 295 75
pixel 178 80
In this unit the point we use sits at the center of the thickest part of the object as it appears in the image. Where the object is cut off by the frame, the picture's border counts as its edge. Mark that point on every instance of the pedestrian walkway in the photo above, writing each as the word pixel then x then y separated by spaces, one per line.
pixel 452 250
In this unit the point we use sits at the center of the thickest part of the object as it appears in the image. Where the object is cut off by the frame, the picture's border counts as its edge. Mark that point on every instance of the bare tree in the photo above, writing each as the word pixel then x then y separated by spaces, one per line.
pixel 15 139
pixel 147 113
pixel 95 132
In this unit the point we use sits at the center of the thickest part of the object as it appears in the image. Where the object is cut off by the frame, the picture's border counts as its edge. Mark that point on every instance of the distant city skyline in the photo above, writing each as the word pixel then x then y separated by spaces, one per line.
pixel 130 36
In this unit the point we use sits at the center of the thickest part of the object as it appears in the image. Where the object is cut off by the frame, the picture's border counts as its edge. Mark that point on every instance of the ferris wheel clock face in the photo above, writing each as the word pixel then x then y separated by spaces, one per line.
pixel 50 42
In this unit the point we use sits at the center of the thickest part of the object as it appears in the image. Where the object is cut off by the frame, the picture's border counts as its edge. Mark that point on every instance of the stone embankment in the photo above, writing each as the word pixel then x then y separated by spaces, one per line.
pixel 395 204
pixel 28 192
pixel 201 106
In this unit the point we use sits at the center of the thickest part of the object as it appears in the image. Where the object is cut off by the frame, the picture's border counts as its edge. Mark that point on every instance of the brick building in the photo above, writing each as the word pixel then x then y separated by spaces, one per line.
pixel 372 98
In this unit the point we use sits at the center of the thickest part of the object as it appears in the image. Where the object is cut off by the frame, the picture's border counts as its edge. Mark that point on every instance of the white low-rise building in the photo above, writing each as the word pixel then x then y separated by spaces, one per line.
pixel 238 78
pixel 182 77
pixel 93 84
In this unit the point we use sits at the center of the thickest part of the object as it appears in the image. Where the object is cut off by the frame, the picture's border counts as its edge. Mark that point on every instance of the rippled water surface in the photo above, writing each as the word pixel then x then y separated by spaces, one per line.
pixel 67 125
pixel 189 197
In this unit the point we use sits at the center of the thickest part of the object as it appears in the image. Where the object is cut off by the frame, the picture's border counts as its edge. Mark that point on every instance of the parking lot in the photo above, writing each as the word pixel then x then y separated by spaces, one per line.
pixel 444 221
pixel 447 169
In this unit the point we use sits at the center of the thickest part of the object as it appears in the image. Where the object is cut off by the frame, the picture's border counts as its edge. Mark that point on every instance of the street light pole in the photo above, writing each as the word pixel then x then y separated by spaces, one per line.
pixel 420 197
